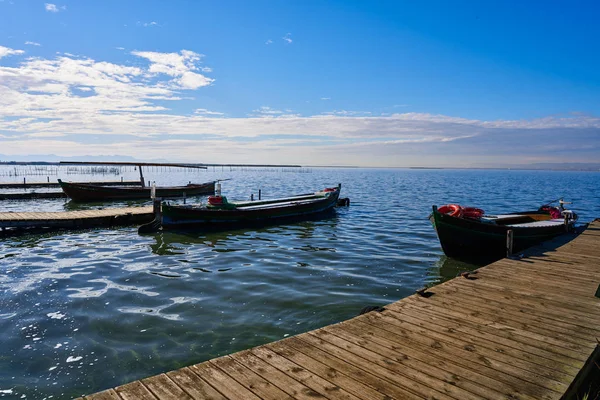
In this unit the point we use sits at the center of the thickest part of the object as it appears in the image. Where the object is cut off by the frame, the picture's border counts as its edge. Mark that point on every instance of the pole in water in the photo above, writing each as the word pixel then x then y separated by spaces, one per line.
pixel 183 197
pixel 509 243
pixel 259 193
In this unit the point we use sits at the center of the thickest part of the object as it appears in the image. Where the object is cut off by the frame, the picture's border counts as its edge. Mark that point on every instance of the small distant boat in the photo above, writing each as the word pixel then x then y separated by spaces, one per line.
pixel 85 192
pixel 470 234
pixel 219 214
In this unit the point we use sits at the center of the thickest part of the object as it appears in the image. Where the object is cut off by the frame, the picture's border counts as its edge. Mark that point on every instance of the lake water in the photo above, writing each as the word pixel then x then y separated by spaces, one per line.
pixel 87 310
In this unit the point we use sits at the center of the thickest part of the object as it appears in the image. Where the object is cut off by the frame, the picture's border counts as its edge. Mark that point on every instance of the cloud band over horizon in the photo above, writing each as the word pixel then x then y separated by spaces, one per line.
pixel 70 105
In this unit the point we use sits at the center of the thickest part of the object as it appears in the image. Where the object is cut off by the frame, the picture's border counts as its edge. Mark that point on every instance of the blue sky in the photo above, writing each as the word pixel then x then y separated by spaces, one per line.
pixel 386 83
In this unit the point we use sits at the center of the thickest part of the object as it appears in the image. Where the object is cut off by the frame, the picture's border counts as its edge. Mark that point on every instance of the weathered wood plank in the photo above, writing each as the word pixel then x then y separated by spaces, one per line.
pixel 164 388
pixel 285 382
pixel 353 379
pixel 229 387
pixel 109 394
pixel 249 379
pixel 134 391
pixel 302 375
pixel 512 379
pixel 194 386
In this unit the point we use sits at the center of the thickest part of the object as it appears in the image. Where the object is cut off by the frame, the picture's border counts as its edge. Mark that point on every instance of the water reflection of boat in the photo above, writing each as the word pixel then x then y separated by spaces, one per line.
pixel 470 234
pixel 448 268
pixel 219 214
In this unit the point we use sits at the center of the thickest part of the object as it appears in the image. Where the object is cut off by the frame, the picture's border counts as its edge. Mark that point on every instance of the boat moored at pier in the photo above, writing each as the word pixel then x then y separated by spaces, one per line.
pixel 470 234
pixel 84 192
pixel 220 214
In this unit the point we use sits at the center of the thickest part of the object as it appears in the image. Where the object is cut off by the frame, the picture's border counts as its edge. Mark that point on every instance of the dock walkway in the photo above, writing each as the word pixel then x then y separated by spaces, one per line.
pixel 516 329
pixel 77 219
pixel 27 185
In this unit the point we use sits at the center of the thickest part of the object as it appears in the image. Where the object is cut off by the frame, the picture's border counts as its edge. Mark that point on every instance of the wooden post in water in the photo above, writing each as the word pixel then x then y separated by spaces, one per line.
pixel 142 176
pixel 509 243
pixel 259 193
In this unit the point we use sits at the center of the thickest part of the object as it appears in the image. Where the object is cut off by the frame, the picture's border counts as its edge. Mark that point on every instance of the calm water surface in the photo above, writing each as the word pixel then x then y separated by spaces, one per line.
pixel 87 310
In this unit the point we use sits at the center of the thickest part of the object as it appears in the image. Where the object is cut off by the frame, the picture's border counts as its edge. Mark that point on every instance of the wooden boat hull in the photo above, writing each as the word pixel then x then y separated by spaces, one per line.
pixel 202 218
pixel 470 239
pixel 85 192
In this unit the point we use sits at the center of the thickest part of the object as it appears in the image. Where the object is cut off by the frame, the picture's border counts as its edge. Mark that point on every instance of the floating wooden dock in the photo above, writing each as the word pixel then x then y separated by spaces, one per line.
pixel 33 195
pixel 77 219
pixel 516 329
pixel 28 185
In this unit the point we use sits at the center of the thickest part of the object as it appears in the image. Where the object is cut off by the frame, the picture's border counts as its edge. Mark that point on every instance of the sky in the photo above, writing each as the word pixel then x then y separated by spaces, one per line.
pixel 337 82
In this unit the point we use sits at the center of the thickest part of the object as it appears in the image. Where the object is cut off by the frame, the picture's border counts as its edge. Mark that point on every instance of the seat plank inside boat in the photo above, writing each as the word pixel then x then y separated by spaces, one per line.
pixel 550 222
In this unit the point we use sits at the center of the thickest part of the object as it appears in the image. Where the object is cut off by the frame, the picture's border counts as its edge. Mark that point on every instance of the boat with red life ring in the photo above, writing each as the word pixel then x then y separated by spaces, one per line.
pixel 469 233
pixel 220 214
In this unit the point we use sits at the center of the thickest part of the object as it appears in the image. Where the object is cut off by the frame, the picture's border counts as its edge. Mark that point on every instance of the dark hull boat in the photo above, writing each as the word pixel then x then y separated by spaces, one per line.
pixel 83 192
pixel 472 235
pixel 221 215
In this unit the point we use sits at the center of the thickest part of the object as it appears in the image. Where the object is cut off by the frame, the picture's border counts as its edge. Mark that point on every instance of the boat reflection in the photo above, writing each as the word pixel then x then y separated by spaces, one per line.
pixel 175 242
pixel 447 268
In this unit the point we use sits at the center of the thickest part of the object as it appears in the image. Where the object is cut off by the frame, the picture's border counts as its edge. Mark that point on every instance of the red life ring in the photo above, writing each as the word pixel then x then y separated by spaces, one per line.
pixel 454 210
pixel 473 212
pixel 215 200
pixel 329 189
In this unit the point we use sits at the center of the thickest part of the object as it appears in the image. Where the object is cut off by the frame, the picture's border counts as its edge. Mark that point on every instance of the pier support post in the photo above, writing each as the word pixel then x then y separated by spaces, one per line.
pixel 509 243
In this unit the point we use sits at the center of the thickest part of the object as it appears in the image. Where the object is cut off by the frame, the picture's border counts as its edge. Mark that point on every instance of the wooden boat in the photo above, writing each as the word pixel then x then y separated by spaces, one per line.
pixel 82 192
pixel 219 214
pixel 469 234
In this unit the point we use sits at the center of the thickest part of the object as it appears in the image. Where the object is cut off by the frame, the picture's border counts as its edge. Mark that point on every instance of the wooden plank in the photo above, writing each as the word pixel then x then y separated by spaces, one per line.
pixel 302 375
pixel 582 304
pixel 522 334
pixel 134 391
pixel 572 316
pixel 475 383
pixel 511 378
pixel 355 380
pixel 194 386
pixel 291 386
pixel 546 353
pixel 229 387
pixel 516 350
pixel 249 379
pixel 386 367
pixel 109 394
pixel 483 351
pixel 523 317
pixel 164 388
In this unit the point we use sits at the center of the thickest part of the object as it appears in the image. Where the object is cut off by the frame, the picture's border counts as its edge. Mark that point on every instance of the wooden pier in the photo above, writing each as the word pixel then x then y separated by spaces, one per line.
pixel 33 195
pixel 28 185
pixel 516 329
pixel 77 219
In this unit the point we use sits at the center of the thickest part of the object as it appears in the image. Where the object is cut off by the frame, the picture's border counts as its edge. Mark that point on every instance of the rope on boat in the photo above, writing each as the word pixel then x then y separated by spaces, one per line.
pixel 343 202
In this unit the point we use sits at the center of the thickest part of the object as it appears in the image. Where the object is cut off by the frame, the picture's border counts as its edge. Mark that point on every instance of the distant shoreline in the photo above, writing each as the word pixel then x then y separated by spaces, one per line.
pixel 566 168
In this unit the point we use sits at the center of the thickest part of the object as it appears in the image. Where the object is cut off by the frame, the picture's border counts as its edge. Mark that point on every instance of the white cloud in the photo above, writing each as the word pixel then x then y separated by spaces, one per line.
pixel 151 24
pixel 178 65
pixel 269 41
pixel 49 105
pixel 287 38
pixel 5 51
pixel 204 111
pixel 120 48
pixel 51 7
pixel 325 98
pixel 32 43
